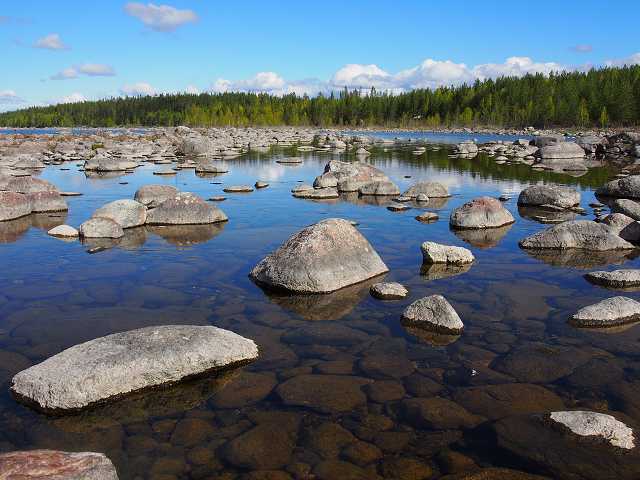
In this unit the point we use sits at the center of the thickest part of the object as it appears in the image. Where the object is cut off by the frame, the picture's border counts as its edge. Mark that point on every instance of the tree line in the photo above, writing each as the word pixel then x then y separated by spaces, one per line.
pixel 605 97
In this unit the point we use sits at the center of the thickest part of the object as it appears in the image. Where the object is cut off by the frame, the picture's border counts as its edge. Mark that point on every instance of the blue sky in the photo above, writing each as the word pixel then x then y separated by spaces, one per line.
pixel 73 50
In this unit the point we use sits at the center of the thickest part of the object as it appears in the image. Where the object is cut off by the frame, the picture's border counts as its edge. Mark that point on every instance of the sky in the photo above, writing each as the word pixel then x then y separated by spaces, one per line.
pixel 70 50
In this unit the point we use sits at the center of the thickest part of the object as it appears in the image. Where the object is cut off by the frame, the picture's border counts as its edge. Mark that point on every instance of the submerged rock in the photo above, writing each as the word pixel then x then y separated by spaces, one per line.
pixel 483 212
pixel 13 205
pixel 122 363
pixel 56 465
pixel 185 209
pixel 578 234
pixel 596 424
pixel 126 213
pixel 324 393
pixel 436 253
pixel 321 258
pixel 388 291
pixel 429 189
pixel 549 195
pixel 153 195
pixel 433 313
pixel 100 227
pixel 627 187
pixel 627 278
pixel 610 312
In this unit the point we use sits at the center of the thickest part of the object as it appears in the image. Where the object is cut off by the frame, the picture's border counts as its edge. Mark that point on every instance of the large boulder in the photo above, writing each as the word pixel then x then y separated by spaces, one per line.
pixel 348 175
pixel 126 213
pixel 623 226
pixel 546 140
pixel 321 258
pixel 578 234
pixel 56 465
pixel 108 164
pixel 624 278
pixel 433 313
pixel 610 312
pixel 13 205
pixel 626 207
pixel 381 188
pixel 561 150
pixel 627 187
pixel 153 195
pixel 100 227
pixel 430 189
pixel 122 363
pixel 549 195
pixel 196 145
pixel 29 185
pixel 42 202
pixel 185 209
pixel 483 212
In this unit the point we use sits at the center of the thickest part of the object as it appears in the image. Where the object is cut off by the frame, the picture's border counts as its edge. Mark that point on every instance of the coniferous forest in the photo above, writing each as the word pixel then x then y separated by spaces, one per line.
pixel 606 97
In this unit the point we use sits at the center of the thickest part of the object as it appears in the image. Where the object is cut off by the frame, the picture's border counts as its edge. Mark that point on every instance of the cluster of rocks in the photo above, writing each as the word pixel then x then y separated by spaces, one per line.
pixel 23 195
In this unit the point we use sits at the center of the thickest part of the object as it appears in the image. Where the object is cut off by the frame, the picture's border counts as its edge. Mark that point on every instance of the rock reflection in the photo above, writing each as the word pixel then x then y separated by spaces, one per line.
pixel 437 271
pixel 483 237
pixel 187 235
pixel 93 175
pixel 326 306
pixel 12 230
pixel 582 258
pixel 430 338
pixel 543 215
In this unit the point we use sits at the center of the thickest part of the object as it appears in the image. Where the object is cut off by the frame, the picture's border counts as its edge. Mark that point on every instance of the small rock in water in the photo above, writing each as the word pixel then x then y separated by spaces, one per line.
pixel 482 212
pixel 579 234
pixel 217 198
pixel 402 199
pixel 98 249
pixel 433 313
pixel 261 184
pixel 388 291
pixel 238 189
pixel 63 231
pixel 504 198
pixel 586 423
pixel 290 160
pixel 398 207
pixel 436 253
pixel 165 171
pixel 610 312
pixel 70 194
pixel 626 278
pixel 55 464
pixel 422 198
pixel 427 217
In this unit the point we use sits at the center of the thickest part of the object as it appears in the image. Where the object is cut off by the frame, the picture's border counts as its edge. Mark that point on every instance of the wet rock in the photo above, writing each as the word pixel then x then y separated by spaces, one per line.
pixel 578 234
pixel 246 389
pixel 398 207
pixel 321 258
pixel 101 228
pixel 13 205
pixel 380 188
pixel 362 453
pixel 483 212
pixel 437 253
pixel 192 431
pixel 334 334
pixel 64 231
pixel 561 150
pixel 625 227
pixel 388 291
pixel 381 365
pixel 126 362
pixel 260 184
pixel 333 469
pixel 383 391
pixel 610 312
pixel 599 424
pixel 433 313
pixel 627 187
pixel 427 217
pixel 430 189
pixel 126 213
pixel 497 401
pixel 261 448
pixel 438 271
pixel 56 465
pixel 238 189
pixel 153 195
pixel 494 473
pixel 317 193
pixel 626 207
pixel 552 195
pixel 328 439
pixel 290 160
pixel 438 413
pixel 406 468
pixel 627 278
pixel 324 393
pixel 185 209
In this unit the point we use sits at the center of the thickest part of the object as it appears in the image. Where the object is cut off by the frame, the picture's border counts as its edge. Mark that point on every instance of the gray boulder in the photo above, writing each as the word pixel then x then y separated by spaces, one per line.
pixel 554 195
pixel 126 213
pixel 122 363
pixel 211 167
pixel 623 226
pixel 610 312
pixel 436 253
pixel 107 164
pixel 587 424
pixel 388 291
pixel 321 258
pixel 430 189
pixel 154 195
pixel 561 150
pixel 627 187
pixel 546 140
pixel 382 188
pixel 29 185
pixel 63 231
pixel 13 205
pixel 483 212
pixel 196 145
pixel 99 227
pixel 56 465
pixel 576 234
pixel 317 193
pixel 185 209
pixel 624 278
pixel 42 202
pixel 626 207
pixel 433 313
pixel 357 173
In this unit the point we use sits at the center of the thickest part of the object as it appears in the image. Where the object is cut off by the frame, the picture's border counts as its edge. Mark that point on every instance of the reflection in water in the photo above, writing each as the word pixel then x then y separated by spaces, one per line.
pixel 437 271
pixel 187 235
pixel 543 215
pixel 582 258
pixel 12 230
pixel 482 237
pixel 431 338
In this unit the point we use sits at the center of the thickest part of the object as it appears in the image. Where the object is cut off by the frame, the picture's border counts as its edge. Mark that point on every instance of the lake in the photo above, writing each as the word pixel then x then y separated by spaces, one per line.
pixel 361 375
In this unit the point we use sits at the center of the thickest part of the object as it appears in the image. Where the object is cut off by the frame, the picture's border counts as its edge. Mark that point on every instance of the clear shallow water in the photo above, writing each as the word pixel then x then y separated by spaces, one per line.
pixel 335 370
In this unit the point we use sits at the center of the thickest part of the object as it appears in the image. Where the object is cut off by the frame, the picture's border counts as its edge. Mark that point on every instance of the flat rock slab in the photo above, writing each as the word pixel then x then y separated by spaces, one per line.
pixel 388 291
pixel 398 207
pixel 290 161
pixel 316 193
pixel 578 234
pixel 610 312
pixel 324 393
pixel 436 253
pixel 56 465
pixel 322 258
pixel 625 278
pixel 433 313
pixel 238 189
pixel 585 423
pixel 109 367
pixel 427 217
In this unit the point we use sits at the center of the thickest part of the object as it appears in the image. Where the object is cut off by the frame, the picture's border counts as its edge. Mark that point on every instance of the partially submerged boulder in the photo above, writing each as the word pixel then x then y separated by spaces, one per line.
pixel 482 212
pixel 381 188
pixel 587 424
pixel 126 213
pixel 433 313
pixel 549 195
pixel 56 465
pixel 153 195
pixel 100 227
pixel 610 312
pixel 388 291
pixel 627 187
pixel 626 207
pixel 429 189
pixel 13 205
pixel 107 164
pixel 185 208
pixel 42 202
pixel 624 278
pixel 437 253
pixel 321 258
pixel 122 363
pixel 63 231
pixel 561 150
pixel 576 234
pixel 348 176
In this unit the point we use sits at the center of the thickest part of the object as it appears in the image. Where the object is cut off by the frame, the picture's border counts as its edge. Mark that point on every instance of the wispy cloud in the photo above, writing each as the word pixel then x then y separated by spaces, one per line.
pixel 161 18
pixel 88 69
pixel 630 60
pixel 583 48
pixel 51 42
pixel 138 89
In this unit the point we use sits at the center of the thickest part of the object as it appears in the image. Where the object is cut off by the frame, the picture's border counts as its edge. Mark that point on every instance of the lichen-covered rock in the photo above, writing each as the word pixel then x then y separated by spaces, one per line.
pixel 483 212
pixel 576 234
pixel 56 465
pixel 29 185
pixel 118 364
pixel 623 226
pixel 625 278
pixel 126 213
pixel 610 312
pixel 321 258
pixel 13 205
pixel 42 202
pixel 185 209
pixel 433 313
pixel 626 207
pixel 99 227
pixel 553 195
pixel 430 189
pixel 153 195
pixel 436 253
pixel 388 291
pixel 627 187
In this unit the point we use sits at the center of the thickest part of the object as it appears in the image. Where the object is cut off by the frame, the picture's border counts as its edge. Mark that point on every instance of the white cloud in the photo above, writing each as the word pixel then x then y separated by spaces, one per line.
pixel 73 98
pixel 515 67
pixel 162 18
pixel 262 82
pixel 51 42
pixel 630 60
pixel 138 89
pixel 65 74
pixel 192 89
pixel 366 76
pixel 582 48
pixel 10 96
pixel 89 69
